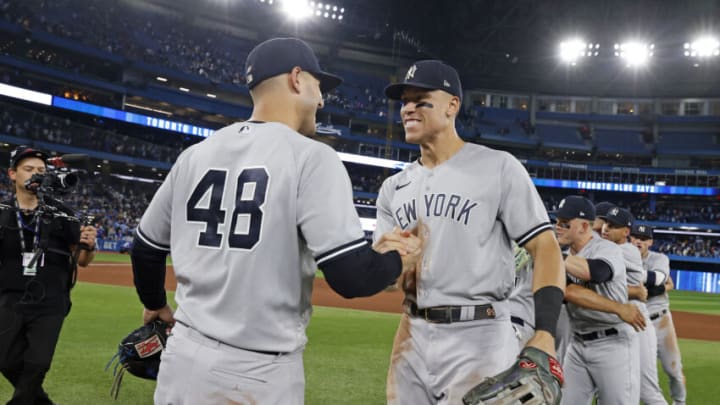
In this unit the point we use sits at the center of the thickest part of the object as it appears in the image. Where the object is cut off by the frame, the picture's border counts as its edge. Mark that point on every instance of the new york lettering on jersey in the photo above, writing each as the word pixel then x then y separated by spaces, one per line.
pixel 441 205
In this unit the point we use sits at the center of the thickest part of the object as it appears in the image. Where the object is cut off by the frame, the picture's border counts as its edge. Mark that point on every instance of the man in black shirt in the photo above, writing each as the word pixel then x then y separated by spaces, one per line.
pixel 38 254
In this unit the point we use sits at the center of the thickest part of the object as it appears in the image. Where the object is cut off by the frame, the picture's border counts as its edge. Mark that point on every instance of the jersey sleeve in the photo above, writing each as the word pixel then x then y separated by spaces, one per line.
pixel 326 214
pixel 384 220
pixel 154 227
pixel 521 209
pixel 662 264
pixel 613 255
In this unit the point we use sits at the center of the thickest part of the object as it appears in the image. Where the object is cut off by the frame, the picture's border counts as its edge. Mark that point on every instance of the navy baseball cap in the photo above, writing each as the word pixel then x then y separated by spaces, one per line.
pixel 23 151
pixel 642 231
pixel 620 217
pixel 280 55
pixel 576 206
pixel 431 74
pixel 602 208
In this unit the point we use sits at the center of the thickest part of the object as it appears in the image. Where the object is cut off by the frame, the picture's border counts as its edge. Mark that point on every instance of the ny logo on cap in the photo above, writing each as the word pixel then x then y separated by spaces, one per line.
pixel 562 203
pixel 614 211
pixel 248 76
pixel 641 228
pixel 445 83
pixel 411 72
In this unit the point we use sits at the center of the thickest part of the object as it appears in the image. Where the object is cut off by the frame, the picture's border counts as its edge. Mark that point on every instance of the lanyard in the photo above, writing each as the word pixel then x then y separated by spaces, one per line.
pixel 21 226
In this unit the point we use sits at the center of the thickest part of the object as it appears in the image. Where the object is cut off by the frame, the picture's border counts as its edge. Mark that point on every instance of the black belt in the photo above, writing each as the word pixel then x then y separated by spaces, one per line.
pixel 450 313
pixel 597 335
pixel 234 347
pixel 657 315
pixel 516 320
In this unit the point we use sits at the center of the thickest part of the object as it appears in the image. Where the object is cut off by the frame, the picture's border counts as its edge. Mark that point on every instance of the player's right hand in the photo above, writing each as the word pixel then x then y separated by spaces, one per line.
pixel 164 314
pixel 632 315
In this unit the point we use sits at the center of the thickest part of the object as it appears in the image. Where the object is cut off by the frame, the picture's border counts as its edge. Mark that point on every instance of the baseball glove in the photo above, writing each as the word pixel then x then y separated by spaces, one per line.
pixel 534 379
pixel 139 353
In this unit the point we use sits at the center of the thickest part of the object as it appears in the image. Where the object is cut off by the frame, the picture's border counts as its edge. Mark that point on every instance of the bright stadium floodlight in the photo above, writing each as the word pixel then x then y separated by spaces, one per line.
pixel 572 50
pixel 635 53
pixel 702 47
pixel 296 9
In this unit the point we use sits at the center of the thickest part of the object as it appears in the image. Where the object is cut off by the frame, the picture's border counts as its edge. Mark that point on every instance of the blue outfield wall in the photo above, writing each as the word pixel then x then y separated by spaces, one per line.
pixel 708 282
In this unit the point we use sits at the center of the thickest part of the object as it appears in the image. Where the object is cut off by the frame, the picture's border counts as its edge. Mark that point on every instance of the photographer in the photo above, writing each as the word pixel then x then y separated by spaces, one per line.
pixel 41 242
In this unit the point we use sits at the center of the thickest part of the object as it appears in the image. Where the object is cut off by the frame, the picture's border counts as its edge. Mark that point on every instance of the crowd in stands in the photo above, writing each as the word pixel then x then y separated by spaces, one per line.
pixel 693 247
pixel 37 126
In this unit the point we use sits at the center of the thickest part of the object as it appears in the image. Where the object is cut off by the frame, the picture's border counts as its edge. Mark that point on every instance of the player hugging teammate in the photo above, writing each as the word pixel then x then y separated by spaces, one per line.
pixel 610 280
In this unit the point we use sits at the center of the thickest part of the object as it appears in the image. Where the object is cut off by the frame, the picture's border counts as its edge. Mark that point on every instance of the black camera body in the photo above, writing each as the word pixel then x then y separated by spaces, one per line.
pixel 53 183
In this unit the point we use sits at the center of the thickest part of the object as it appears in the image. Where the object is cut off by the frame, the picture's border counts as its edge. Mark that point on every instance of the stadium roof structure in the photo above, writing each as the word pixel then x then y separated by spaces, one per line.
pixel 513 44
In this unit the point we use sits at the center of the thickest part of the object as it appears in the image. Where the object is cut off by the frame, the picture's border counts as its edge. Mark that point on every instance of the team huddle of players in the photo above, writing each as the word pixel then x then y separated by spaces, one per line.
pixel 616 321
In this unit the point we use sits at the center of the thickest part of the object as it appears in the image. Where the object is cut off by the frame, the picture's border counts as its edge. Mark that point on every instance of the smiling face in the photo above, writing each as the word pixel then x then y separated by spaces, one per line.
pixel 427 113
pixel 571 231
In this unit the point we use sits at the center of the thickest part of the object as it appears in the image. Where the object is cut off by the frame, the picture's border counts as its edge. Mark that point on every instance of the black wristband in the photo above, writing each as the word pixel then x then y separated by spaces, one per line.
pixel 548 300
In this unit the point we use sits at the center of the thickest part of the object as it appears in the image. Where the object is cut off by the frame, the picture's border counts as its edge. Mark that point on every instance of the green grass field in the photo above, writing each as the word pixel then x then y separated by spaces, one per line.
pixel 345 361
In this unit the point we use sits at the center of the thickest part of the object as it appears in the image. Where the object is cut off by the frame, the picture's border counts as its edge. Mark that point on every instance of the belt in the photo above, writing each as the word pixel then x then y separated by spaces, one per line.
pixel 657 315
pixel 516 320
pixel 223 343
pixel 597 334
pixel 452 313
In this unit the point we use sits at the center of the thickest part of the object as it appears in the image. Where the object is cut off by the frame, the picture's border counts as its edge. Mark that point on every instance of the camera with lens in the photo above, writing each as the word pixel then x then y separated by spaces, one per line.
pixel 53 183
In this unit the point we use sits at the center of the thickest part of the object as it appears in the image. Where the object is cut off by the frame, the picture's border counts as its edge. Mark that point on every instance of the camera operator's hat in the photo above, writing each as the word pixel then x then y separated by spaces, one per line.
pixel 431 74
pixel 24 151
pixel 280 55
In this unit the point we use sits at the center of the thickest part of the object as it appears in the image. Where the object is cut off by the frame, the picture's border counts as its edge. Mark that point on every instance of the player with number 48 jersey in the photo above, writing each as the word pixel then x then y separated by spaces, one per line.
pixel 249 214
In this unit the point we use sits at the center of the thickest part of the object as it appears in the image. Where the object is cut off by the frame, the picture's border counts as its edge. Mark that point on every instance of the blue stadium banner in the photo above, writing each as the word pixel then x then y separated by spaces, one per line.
pixel 132 118
pixel 627 188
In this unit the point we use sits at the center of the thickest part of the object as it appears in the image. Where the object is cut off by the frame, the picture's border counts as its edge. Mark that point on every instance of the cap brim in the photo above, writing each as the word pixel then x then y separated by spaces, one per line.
pixel 395 90
pixel 328 81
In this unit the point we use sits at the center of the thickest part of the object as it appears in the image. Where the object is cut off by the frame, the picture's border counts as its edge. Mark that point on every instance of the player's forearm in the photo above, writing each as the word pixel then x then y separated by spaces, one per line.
pixel 548 288
pixel 635 292
pixel 578 266
pixel 589 299
pixel 148 267
pixel 548 265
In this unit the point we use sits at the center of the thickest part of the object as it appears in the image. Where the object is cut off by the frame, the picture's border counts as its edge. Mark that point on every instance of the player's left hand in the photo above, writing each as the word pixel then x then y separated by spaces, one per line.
pixel 536 378
pixel 88 235
pixel 164 314
pixel 631 314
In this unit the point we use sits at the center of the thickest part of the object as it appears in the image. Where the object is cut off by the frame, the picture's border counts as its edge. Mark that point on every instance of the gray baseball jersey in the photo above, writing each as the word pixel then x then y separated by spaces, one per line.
pixel 633 264
pixel 585 320
pixel 472 205
pixel 246 215
pixel 655 261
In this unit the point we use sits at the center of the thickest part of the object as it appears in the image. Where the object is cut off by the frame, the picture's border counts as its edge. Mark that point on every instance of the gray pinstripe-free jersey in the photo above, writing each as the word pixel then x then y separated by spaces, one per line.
pixel 587 320
pixel 633 264
pixel 245 215
pixel 473 205
pixel 657 262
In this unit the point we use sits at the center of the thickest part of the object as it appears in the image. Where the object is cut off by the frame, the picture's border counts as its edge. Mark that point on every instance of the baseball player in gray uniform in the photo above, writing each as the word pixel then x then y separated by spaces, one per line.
pixel 617 228
pixel 473 202
pixel 657 266
pixel 596 360
pixel 248 215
